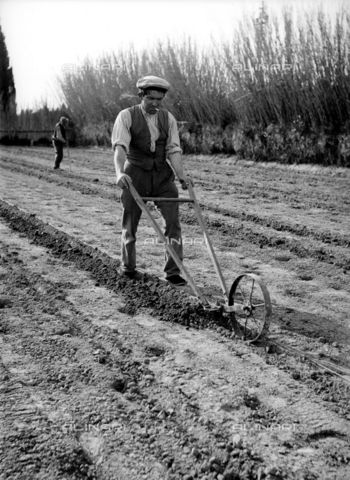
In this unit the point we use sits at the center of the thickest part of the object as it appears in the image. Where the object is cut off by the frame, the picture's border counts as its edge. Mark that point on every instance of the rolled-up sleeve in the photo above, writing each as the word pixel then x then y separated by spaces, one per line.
pixel 173 142
pixel 121 130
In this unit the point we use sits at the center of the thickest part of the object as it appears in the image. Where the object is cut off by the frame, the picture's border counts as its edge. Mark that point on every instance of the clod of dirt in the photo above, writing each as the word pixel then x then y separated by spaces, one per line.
pixel 228 406
pixel 128 309
pixel 306 278
pixel 154 350
pixel 119 384
pixel 251 401
pixel 283 258
pixel 5 302
pixel 272 348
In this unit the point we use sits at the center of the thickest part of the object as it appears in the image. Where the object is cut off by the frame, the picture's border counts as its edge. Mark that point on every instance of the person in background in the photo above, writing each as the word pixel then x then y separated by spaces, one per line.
pixel 59 139
pixel 147 152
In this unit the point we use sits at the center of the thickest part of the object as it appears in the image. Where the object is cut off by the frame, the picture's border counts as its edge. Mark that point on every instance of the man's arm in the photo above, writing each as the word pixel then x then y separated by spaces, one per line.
pixel 175 160
pixel 174 152
pixel 119 162
pixel 120 143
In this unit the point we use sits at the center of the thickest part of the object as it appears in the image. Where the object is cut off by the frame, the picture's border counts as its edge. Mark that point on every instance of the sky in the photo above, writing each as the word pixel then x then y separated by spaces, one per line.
pixel 44 38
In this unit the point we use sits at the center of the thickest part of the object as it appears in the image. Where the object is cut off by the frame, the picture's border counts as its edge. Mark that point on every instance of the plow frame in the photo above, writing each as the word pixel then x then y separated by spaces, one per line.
pixel 240 300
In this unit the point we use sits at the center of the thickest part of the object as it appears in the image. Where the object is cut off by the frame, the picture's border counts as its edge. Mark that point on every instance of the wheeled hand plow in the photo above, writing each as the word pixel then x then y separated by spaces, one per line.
pixel 247 304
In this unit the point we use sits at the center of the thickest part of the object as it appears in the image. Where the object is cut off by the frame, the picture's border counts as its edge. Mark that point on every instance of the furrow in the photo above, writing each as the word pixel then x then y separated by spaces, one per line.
pixel 331 248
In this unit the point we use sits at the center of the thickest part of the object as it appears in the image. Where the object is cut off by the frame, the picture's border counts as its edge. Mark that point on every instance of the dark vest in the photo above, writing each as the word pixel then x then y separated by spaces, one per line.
pixel 140 153
pixel 62 130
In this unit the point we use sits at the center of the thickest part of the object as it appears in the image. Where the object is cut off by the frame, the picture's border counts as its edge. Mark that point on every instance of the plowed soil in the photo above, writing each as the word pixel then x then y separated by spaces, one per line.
pixel 106 378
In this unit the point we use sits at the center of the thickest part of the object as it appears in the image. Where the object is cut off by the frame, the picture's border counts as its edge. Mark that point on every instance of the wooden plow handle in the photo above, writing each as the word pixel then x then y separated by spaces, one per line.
pixel 140 202
pixel 208 241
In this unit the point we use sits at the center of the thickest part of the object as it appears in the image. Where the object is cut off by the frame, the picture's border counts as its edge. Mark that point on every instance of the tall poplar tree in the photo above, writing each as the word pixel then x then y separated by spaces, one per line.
pixel 7 85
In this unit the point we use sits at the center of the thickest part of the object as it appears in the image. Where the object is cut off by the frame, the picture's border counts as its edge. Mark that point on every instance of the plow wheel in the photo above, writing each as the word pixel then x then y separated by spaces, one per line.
pixel 253 313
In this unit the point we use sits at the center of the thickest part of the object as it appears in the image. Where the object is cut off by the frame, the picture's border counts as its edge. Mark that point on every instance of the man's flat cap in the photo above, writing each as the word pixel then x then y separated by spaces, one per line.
pixel 150 81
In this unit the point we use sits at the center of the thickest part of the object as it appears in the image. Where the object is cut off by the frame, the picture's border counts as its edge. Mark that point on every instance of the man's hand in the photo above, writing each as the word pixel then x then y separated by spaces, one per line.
pixel 123 180
pixel 185 181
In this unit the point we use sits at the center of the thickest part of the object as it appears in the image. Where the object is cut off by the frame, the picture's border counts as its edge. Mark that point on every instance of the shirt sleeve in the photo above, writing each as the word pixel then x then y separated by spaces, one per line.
pixel 173 142
pixel 121 130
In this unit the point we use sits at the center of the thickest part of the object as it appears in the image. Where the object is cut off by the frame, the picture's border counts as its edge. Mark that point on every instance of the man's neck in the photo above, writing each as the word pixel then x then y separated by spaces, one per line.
pixel 145 113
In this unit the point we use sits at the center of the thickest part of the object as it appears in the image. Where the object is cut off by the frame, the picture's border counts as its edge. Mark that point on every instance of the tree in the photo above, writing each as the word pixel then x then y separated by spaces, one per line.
pixel 7 85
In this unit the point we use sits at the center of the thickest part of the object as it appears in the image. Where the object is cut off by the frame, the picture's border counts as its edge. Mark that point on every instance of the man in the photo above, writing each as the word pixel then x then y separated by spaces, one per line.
pixel 59 139
pixel 144 137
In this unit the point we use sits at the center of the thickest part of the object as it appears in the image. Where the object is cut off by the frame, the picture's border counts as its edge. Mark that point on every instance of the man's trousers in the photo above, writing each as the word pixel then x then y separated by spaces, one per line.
pixel 150 184
pixel 58 146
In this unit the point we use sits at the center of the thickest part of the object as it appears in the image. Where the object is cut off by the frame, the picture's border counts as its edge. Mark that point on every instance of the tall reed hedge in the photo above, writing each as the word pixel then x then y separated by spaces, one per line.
pixel 277 84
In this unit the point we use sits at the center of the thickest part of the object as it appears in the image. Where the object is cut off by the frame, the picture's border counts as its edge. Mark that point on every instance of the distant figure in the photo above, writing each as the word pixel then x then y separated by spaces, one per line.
pixel 59 139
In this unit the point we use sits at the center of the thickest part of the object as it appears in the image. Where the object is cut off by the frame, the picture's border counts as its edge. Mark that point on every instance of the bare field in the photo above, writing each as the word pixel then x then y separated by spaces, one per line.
pixel 103 378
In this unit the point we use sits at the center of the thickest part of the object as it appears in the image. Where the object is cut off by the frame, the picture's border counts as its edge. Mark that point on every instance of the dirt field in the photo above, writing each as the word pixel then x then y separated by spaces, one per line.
pixel 112 379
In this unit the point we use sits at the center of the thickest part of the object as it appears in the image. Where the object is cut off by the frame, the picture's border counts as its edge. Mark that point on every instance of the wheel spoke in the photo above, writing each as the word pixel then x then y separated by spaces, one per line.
pixel 255 320
pixel 251 293
pixel 245 328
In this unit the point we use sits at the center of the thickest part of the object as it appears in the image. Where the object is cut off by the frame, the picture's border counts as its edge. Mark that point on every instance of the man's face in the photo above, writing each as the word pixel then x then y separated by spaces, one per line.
pixel 152 101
